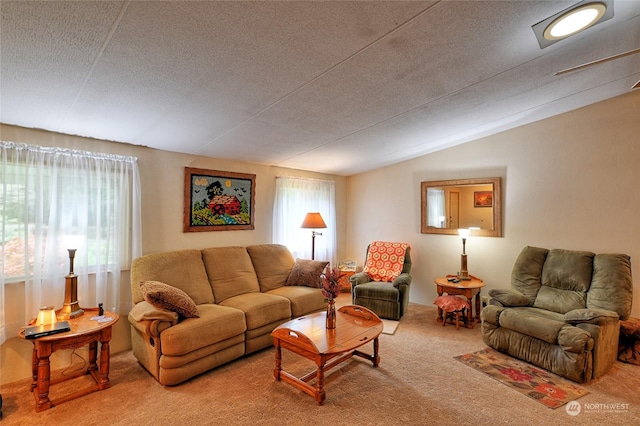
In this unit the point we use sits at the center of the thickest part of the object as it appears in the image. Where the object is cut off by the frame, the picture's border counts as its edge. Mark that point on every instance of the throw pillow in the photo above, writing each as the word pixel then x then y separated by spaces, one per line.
pixel 306 272
pixel 165 296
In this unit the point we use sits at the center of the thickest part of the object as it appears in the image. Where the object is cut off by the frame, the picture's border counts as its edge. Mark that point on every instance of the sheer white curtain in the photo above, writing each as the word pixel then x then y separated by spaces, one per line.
pixel 48 194
pixel 436 214
pixel 295 197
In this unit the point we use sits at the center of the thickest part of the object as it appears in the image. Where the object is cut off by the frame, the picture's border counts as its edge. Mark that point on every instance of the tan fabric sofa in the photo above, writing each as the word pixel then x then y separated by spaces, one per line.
pixel 240 295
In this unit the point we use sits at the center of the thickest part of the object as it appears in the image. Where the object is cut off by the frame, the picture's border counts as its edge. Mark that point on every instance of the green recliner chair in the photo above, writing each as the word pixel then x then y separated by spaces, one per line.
pixel 388 300
pixel 562 312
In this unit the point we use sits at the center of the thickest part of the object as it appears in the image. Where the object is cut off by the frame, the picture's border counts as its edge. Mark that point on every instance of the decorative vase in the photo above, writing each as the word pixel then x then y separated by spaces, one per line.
pixel 331 314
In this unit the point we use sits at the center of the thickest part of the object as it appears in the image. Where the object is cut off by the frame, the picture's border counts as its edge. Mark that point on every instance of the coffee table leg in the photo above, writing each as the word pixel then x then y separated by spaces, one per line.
pixel 320 393
pixel 376 356
pixel 278 369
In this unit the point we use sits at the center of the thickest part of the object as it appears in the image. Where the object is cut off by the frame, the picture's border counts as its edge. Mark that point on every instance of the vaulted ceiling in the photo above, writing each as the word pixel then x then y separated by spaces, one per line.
pixel 330 86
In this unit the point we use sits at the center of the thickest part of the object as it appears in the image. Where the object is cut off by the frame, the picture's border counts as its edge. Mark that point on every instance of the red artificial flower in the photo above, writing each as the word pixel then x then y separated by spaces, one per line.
pixel 330 286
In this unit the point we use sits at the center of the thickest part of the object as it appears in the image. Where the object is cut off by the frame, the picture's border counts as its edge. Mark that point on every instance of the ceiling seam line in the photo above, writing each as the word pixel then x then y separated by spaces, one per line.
pixel 400 114
pixel 453 143
pixel 319 76
pixel 106 42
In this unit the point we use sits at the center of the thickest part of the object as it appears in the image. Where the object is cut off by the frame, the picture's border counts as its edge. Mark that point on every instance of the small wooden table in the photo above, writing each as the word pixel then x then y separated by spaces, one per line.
pixel 469 289
pixel 84 331
pixel 308 336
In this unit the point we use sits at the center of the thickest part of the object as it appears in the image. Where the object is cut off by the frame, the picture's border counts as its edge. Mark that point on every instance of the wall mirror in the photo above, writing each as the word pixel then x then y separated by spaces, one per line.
pixel 464 203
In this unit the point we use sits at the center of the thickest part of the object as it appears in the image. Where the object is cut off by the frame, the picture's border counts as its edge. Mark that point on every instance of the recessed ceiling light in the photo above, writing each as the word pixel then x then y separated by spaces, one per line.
pixel 575 20
pixel 572 20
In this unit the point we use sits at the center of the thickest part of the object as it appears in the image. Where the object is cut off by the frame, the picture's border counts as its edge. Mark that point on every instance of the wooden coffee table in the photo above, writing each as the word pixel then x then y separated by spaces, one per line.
pixel 308 336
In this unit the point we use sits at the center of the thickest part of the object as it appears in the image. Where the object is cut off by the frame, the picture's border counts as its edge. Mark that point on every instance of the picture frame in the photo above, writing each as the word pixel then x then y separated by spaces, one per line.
pixel 483 199
pixel 217 200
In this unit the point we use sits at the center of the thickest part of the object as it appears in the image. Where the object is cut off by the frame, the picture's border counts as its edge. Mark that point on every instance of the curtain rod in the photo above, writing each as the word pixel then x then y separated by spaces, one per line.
pixel 304 178
pixel 67 152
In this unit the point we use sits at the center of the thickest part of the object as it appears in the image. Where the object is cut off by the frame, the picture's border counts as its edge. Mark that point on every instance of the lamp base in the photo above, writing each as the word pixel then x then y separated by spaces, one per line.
pixel 70 311
pixel 463 275
pixel 70 307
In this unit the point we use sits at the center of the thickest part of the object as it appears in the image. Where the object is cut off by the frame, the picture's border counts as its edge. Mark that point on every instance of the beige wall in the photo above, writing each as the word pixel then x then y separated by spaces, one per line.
pixel 568 182
pixel 571 182
pixel 162 182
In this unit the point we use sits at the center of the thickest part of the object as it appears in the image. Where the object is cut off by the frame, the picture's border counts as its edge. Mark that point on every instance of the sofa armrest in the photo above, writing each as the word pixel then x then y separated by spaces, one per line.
pixel 150 320
pixel 591 316
pixel 509 297
pixel 402 279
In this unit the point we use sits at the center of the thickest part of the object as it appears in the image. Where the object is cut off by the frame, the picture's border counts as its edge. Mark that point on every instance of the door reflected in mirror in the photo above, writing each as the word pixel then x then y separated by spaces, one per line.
pixel 464 203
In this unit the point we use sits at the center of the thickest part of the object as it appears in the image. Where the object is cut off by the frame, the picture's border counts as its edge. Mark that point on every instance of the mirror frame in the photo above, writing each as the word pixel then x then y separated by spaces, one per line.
pixel 497 206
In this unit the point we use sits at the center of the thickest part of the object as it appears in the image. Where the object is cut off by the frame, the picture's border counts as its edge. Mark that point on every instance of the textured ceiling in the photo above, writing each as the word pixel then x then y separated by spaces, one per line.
pixel 330 86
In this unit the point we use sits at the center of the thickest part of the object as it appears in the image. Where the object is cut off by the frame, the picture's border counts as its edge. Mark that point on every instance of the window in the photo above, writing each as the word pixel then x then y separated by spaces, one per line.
pixel 436 214
pixel 48 194
pixel 295 197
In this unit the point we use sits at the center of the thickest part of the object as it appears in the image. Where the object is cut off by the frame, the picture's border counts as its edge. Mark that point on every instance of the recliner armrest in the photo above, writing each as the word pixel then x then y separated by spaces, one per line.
pixel 359 278
pixel 509 297
pixel 591 316
pixel 402 279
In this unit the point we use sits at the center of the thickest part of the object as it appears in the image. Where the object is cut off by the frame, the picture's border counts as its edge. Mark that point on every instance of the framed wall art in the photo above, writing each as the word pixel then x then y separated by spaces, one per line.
pixel 483 199
pixel 218 201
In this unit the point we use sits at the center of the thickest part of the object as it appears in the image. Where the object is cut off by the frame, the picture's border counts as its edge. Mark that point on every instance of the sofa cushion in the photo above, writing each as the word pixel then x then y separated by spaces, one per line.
pixel 272 263
pixel 612 287
pixel 216 323
pixel 230 272
pixel 304 300
pixel 260 308
pixel 561 301
pixel 164 296
pixel 182 269
pixel 307 273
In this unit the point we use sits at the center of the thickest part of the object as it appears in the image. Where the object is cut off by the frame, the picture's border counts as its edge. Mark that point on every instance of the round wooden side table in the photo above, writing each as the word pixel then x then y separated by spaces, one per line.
pixel 84 331
pixel 467 288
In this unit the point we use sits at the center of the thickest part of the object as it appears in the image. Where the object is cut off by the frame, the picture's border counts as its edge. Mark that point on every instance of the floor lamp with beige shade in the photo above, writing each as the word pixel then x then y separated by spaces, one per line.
pixel 313 221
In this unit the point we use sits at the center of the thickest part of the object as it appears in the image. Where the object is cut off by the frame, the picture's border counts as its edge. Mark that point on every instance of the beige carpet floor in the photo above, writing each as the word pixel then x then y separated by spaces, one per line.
pixel 418 383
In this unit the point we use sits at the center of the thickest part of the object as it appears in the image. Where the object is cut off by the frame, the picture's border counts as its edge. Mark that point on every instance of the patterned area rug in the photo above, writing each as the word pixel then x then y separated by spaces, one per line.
pixel 538 384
